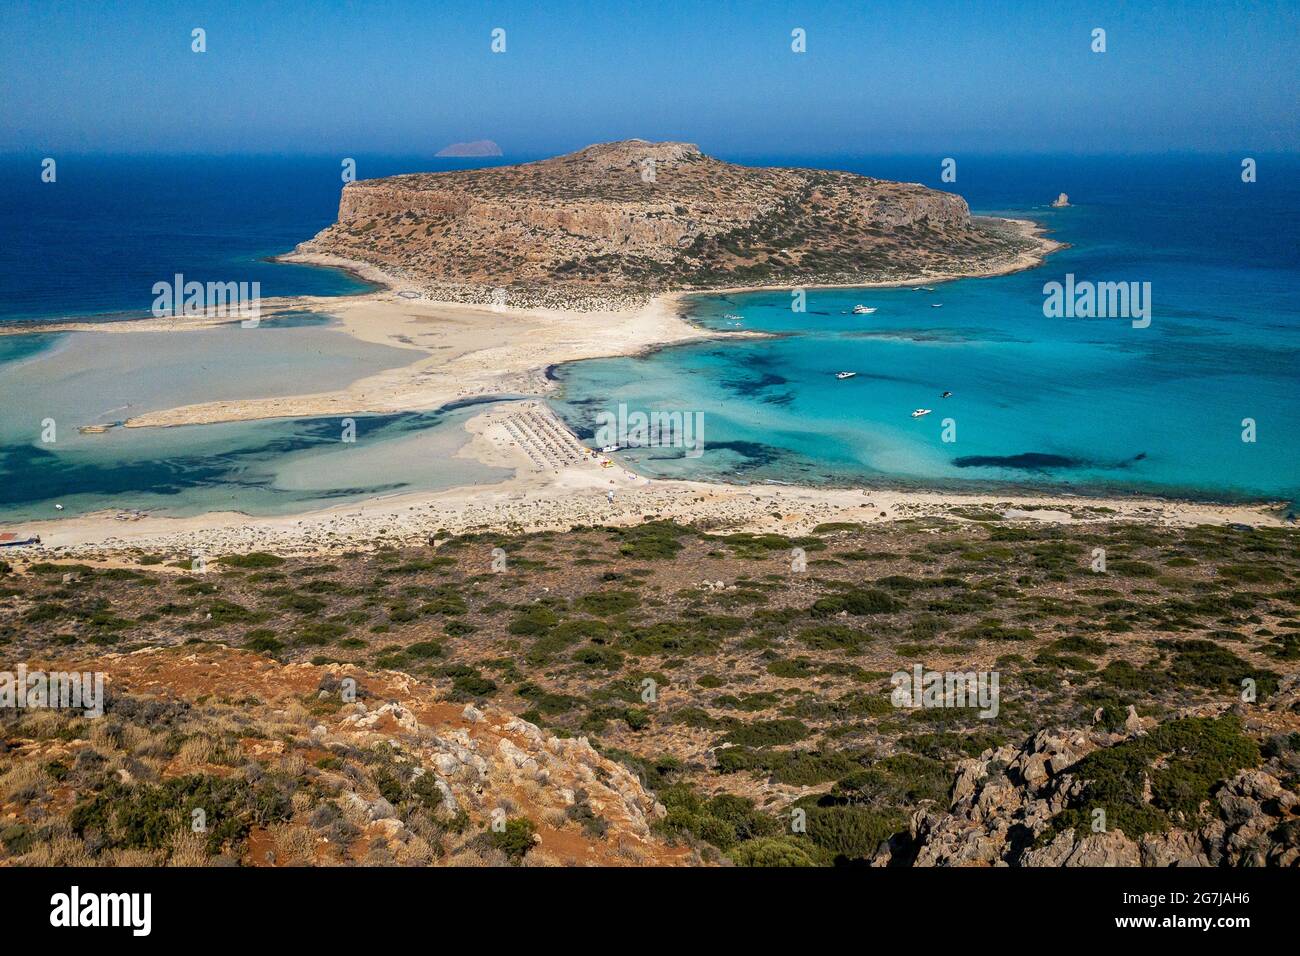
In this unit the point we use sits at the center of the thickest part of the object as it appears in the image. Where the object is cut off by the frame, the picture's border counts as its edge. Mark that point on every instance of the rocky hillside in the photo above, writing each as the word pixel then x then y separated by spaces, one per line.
pixel 636 217
pixel 1194 791
pixel 295 765
pixel 709 676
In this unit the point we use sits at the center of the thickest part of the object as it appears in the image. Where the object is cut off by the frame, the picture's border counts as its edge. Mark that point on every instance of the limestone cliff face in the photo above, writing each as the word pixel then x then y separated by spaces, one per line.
pixel 641 217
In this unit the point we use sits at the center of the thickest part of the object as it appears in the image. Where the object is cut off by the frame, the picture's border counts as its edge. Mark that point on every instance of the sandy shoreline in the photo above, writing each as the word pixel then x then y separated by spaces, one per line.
pixel 460 351
pixel 558 483
pixel 463 350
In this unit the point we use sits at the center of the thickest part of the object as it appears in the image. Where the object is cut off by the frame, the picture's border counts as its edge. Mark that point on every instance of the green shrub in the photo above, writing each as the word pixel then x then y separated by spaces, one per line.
pixel 424 649
pixel 515 839
pixel 535 620
pixel 768 733
pixel 834 637
pixel 651 541
pixel 859 601
pixel 723 820
pixel 1206 664
pixel 1183 762
pixel 263 641
pixel 852 833
pixel 472 684
pixel 605 603
pixel 254 559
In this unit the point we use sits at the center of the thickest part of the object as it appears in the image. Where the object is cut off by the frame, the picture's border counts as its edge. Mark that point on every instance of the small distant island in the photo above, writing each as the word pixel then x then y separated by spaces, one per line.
pixel 617 223
pixel 1061 201
pixel 480 147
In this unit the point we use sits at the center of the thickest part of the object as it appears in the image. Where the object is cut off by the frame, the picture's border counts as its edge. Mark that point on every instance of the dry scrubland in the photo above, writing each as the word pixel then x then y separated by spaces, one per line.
pixel 1119 691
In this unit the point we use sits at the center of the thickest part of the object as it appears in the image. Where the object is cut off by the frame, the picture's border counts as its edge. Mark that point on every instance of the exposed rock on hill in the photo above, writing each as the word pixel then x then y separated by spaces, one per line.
pixel 636 217
pixel 1195 791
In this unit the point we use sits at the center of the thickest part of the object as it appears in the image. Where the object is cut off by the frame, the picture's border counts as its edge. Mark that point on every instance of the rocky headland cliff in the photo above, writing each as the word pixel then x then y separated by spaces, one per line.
pixel 635 218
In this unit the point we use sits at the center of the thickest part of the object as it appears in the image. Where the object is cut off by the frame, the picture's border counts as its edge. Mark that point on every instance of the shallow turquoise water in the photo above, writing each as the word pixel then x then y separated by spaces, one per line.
pixel 1092 405
pixel 1088 405
pixel 96 378
pixel 279 466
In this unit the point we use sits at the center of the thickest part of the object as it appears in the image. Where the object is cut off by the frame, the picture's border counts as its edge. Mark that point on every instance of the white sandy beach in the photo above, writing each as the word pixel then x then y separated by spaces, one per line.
pixel 466 350
pixel 459 351
pixel 559 484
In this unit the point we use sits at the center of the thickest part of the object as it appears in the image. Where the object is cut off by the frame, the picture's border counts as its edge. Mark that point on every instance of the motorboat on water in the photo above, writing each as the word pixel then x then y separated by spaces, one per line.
pixel 921 412
pixel 946 395
pixel 844 375
pixel 609 449
pixel 936 305
pixel 863 310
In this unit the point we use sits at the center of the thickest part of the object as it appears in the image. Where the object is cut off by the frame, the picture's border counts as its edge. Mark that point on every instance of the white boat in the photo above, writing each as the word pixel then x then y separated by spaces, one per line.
pixel 863 310
pixel 843 375
pixel 920 412
pixel 927 288
pixel 936 305
pixel 609 449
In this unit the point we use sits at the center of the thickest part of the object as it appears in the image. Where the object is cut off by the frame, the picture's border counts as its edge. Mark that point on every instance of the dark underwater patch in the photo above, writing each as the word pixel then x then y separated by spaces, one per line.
pixel 1026 461
pixel 756 454
pixel 752 386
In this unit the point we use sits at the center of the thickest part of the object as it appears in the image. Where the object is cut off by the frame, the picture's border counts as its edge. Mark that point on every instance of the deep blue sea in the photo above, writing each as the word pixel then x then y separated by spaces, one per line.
pixel 1089 405
pixel 109 227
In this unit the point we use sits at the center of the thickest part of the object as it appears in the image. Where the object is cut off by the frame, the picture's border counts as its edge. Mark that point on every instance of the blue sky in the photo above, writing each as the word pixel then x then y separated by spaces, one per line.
pixel 410 77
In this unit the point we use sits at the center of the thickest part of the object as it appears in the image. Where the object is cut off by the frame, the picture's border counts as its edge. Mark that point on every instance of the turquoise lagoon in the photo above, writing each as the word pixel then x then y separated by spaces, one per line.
pixel 276 466
pixel 1082 405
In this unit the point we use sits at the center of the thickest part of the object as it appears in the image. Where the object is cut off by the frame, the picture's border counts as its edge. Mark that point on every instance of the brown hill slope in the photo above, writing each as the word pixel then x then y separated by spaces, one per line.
pixel 639 217
pixel 735 688
pixel 291 765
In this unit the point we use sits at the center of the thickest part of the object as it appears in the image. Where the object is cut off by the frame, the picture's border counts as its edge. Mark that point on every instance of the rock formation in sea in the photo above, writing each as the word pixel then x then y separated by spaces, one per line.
pixel 1061 201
